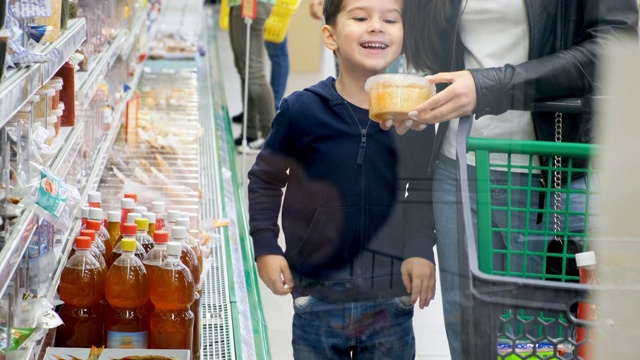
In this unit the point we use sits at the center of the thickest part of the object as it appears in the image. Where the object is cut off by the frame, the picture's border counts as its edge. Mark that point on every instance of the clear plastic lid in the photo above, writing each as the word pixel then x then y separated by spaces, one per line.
pixel 398 80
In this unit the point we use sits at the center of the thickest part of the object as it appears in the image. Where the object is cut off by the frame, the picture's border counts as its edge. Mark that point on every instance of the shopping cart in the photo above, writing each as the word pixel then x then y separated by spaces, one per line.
pixel 524 289
pixel 277 25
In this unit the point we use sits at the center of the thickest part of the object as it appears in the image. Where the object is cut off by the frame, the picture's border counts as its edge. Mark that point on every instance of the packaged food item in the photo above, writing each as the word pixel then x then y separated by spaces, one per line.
pixel 81 288
pixel 158 208
pixel 113 227
pixel 393 96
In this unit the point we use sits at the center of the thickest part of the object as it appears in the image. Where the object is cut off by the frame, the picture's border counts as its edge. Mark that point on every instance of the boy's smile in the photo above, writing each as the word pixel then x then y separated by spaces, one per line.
pixel 367 36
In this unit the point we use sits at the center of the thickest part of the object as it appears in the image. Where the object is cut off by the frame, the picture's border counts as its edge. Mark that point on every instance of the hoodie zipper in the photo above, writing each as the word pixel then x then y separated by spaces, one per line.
pixel 360 161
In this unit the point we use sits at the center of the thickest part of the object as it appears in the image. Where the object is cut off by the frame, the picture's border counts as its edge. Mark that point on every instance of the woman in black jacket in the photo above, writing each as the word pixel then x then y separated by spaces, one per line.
pixel 494 60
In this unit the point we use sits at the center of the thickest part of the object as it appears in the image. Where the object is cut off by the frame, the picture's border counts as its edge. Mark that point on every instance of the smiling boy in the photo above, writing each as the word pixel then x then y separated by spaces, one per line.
pixel 357 205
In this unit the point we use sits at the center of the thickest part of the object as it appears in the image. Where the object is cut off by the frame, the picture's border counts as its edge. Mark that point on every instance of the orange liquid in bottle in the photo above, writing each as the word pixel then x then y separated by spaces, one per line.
pixel 172 293
pixel 81 288
pixel 127 291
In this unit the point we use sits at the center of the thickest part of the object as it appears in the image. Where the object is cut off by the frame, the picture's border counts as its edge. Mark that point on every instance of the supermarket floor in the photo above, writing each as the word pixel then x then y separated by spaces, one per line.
pixel 428 323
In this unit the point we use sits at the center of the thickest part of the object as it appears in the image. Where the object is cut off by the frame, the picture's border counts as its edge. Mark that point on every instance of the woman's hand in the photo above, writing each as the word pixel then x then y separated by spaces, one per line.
pixel 458 99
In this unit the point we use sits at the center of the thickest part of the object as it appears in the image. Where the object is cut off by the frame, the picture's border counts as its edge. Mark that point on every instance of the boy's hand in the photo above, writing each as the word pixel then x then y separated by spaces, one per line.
pixel 419 278
pixel 315 9
pixel 275 273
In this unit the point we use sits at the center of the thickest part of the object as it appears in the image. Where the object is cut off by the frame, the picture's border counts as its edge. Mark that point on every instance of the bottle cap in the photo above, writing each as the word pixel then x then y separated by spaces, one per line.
pixel 140 209
pixel 129 229
pixel 157 206
pixel 83 242
pixel 173 215
pixel 150 216
pixel 88 233
pixel 184 215
pixel 94 225
pixel 132 196
pixel 132 216
pixel 142 223
pixel 127 203
pixel 85 212
pixel 585 258
pixel 94 196
pixel 174 248
pixel 183 222
pixel 113 216
pixel 179 232
pixel 161 237
pixel 128 244
pixel 95 214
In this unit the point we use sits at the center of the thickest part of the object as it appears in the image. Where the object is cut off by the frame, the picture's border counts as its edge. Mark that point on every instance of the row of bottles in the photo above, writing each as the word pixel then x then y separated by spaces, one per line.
pixel 122 288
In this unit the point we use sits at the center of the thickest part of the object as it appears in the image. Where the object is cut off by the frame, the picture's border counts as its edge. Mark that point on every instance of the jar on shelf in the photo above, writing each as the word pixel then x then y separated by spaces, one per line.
pixel 56 84
pixel 44 106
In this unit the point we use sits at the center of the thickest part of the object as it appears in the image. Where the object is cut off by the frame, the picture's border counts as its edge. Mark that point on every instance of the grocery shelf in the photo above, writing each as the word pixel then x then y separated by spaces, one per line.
pixel 22 83
pixel 87 83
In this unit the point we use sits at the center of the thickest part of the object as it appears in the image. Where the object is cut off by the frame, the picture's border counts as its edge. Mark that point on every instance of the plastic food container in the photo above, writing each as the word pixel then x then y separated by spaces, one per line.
pixel 393 96
pixel 44 106
pixel 56 84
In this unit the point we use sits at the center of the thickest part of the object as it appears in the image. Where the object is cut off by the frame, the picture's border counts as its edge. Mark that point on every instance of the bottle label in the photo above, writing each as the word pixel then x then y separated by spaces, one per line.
pixel 127 340
pixel 52 194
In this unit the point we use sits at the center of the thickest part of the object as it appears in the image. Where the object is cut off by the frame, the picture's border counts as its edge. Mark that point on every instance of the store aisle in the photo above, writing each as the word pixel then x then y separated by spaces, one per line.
pixel 429 325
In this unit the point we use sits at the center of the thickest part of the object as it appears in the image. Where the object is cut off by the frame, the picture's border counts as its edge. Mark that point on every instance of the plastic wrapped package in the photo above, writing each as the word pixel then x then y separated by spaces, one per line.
pixel 52 21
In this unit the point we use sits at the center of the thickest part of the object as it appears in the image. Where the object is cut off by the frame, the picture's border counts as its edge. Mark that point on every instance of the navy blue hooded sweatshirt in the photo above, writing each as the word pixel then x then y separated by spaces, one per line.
pixel 357 200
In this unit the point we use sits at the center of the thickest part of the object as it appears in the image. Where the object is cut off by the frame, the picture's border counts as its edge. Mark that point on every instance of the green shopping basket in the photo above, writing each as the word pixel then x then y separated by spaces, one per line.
pixel 523 280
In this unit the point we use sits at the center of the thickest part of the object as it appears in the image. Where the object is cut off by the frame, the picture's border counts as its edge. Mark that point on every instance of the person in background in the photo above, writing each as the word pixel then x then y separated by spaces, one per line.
pixel 493 69
pixel 356 213
pixel 260 106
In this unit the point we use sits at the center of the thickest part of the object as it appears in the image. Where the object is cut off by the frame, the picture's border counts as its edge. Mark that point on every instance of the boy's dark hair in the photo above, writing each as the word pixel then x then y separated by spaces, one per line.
pixel 330 11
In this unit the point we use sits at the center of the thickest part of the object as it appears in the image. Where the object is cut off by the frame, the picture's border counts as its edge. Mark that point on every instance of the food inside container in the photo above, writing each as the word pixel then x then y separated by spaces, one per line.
pixel 393 96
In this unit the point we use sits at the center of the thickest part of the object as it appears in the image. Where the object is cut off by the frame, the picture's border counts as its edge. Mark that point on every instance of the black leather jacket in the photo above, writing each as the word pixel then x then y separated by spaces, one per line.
pixel 565 37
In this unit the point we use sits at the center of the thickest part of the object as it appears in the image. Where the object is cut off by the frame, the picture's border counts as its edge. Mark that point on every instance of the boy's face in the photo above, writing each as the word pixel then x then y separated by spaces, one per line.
pixel 367 36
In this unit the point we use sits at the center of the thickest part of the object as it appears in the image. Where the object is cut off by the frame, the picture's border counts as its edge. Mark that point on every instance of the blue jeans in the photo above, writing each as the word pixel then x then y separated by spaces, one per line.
pixel 445 210
pixel 279 56
pixel 362 330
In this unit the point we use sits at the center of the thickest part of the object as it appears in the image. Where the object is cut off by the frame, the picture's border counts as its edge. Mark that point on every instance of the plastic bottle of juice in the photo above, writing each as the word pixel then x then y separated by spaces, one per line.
pixel 84 214
pixel 155 257
pixel 132 216
pixel 172 292
pixel 94 199
pixel 152 222
pixel 190 260
pixel 158 208
pixel 191 241
pixel 113 227
pixel 128 231
pixel 172 216
pixel 126 206
pixel 131 196
pixel 143 234
pixel 140 209
pixel 96 250
pixel 127 291
pixel 97 225
pixel 195 306
pixel 81 288
pixel 158 254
